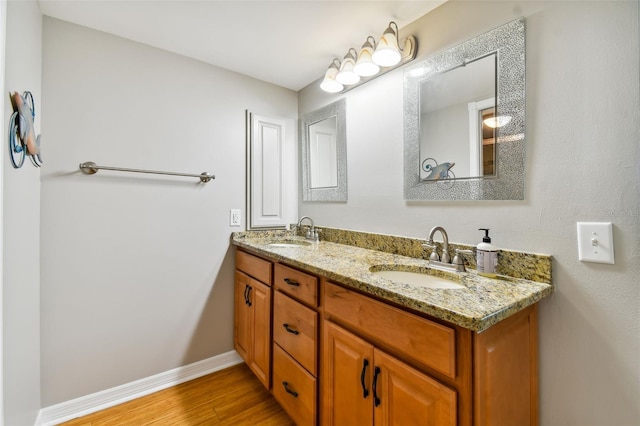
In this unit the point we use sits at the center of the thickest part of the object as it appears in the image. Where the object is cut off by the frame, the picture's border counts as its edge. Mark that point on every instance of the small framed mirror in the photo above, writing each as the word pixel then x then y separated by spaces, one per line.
pixel 324 154
pixel 464 120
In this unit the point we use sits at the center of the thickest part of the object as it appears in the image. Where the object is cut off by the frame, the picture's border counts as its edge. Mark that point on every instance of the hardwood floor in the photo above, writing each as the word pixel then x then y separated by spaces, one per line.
pixel 232 396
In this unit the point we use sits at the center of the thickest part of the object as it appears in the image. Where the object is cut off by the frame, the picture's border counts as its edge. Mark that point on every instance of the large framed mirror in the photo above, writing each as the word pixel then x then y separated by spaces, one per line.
pixel 323 140
pixel 464 120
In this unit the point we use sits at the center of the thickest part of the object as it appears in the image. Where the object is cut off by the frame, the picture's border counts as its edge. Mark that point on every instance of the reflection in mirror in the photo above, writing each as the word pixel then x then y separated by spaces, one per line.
pixel 464 120
pixel 454 141
pixel 323 153
pixel 323 144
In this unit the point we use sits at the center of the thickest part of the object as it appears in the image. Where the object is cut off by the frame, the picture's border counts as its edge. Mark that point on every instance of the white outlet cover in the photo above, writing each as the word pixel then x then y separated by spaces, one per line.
pixel 235 217
pixel 595 242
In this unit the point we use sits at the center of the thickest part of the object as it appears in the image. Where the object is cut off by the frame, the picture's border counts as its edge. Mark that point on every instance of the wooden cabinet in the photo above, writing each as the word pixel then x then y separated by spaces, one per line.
pixel 364 385
pixel 415 371
pixel 340 357
pixel 252 331
pixel 295 348
pixel 406 396
pixel 506 372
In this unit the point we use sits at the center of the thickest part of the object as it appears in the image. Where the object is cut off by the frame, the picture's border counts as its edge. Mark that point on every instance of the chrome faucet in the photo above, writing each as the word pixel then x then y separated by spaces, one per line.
pixel 445 245
pixel 311 234
pixel 445 261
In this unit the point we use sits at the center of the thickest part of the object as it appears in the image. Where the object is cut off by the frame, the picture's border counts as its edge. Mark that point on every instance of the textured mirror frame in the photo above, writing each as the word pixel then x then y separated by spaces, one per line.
pixel 508 184
pixel 330 194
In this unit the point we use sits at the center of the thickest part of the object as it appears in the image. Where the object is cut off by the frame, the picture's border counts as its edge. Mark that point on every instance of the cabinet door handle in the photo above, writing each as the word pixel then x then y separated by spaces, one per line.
pixel 290 330
pixel 376 399
pixel 365 391
pixel 289 391
pixel 246 297
pixel 249 288
pixel 292 282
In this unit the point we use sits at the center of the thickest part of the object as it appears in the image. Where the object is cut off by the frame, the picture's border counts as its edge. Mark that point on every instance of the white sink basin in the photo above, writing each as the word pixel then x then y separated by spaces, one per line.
pixel 419 279
pixel 289 243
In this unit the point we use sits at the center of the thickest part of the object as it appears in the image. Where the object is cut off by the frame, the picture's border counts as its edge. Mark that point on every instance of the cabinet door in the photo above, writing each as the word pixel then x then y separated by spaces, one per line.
pixel 242 337
pixel 252 331
pixel 260 303
pixel 405 396
pixel 505 377
pixel 347 362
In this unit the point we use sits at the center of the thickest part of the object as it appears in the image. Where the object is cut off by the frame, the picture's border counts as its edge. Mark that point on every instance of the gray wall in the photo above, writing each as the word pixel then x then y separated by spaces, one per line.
pixel 582 165
pixel 21 220
pixel 137 271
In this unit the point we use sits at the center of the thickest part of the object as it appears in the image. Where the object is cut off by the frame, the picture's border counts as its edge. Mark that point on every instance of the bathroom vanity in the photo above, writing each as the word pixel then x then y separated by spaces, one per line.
pixel 337 343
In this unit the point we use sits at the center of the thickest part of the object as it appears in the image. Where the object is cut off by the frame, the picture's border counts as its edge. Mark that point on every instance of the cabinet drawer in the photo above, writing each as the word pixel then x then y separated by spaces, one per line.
pixel 417 338
pixel 294 388
pixel 298 284
pixel 295 329
pixel 254 266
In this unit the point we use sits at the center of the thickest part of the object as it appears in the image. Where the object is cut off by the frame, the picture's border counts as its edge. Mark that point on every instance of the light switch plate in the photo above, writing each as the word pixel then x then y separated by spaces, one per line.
pixel 595 242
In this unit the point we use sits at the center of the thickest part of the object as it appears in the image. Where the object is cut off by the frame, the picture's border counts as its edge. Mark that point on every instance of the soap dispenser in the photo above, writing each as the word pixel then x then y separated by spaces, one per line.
pixel 486 256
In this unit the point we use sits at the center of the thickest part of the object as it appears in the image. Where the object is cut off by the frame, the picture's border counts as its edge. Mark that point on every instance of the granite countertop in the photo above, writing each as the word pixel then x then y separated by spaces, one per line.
pixel 482 303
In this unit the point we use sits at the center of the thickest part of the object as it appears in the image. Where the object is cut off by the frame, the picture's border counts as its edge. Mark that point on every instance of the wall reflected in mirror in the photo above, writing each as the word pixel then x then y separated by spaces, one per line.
pixel 455 141
pixel 323 153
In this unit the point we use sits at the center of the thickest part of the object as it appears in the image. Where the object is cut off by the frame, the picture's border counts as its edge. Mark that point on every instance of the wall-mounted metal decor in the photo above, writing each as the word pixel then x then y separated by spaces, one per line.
pixel 22 134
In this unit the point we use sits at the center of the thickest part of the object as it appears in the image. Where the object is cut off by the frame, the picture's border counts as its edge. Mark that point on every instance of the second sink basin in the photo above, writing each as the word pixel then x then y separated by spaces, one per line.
pixel 418 278
pixel 289 243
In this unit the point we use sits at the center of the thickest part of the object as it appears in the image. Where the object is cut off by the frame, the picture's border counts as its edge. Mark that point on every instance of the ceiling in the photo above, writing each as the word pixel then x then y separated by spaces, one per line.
pixel 289 43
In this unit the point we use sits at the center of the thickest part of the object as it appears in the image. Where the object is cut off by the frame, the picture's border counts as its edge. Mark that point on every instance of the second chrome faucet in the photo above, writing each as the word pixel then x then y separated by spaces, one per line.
pixel 312 233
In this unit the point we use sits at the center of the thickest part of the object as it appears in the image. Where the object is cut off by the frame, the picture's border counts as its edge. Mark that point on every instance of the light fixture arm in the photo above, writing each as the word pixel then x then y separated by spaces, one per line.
pixel 395 32
pixel 372 42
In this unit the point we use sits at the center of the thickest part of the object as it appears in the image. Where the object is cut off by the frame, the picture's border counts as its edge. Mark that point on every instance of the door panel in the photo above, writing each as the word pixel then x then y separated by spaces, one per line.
pixel 343 393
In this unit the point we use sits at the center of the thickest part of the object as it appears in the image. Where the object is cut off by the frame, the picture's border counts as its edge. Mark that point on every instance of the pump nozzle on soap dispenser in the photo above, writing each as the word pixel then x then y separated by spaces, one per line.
pixel 486 256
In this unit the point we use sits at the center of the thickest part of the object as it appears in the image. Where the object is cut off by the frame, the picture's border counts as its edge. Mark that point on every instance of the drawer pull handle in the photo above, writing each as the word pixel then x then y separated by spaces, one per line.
pixel 292 282
pixel 290 330
pixel 289 391
pixel 376 399
pixel 249 288
pixel 365 391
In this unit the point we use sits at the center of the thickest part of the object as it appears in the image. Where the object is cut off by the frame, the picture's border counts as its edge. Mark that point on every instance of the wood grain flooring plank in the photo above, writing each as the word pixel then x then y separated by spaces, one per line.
pixel 233 396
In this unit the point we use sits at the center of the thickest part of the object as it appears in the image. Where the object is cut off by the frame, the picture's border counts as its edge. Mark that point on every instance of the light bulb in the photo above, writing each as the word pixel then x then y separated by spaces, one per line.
pixel 329 83
pixel 499 121
pixel 347 75
pixel 365 65
pixel 387 52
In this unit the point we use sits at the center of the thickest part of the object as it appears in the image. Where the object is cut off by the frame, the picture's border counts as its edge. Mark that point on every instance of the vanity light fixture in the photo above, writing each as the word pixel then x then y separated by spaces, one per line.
pixel 499 121
pixel 374 59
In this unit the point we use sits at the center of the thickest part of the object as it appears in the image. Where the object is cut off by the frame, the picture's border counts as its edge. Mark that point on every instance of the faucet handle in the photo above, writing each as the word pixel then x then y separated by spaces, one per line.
pixel 434 252
pixel 458 260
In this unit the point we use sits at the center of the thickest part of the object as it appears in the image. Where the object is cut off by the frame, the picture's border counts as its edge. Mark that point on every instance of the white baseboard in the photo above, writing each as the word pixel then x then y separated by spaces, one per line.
pixel 88 404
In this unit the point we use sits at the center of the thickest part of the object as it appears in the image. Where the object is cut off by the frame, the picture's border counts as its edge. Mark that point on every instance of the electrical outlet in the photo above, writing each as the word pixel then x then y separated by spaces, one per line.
pixel 595 242
pixel 234 217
